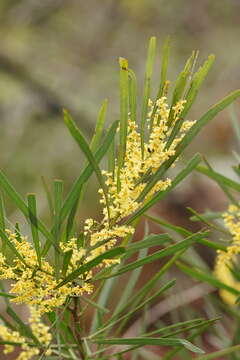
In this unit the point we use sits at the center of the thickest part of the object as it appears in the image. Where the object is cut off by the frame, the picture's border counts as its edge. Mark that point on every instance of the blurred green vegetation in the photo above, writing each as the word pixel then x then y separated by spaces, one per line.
pixel 64 54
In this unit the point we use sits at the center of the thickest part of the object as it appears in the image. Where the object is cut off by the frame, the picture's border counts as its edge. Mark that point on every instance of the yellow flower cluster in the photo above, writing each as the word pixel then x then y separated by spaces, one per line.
pixel 34 285
pixel 225 260
pixel 40 331
pixel 37 285
pixel 124 202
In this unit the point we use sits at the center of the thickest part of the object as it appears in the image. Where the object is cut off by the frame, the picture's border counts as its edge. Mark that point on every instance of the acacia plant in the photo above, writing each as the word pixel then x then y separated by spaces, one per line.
pixel 62 271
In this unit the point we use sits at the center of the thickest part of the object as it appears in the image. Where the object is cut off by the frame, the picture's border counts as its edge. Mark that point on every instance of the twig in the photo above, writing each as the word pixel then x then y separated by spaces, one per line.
pixel 75 317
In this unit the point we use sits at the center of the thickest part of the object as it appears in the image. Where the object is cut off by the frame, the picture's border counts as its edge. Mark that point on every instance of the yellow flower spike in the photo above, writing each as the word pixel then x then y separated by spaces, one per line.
pixel 226 259
pixel 40 331
pixel 37 286
pixel 124 202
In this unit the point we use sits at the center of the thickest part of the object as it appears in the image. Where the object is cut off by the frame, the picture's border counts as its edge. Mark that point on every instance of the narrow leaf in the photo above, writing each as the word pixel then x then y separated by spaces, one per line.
pixel 149 241
pixel 220 353
pixel 7 295
pixel 58 196
pixel 93 263
pixel 87 152
pixel 191 95
pixel 180 85
pixel 99 126
pixel 12 193
pixel 178 229
pixel 161 253
pixel 32 209
pixel 132 95
pixel 48 194
pixel 205 277
pixel 147 86
pixel 161 194
pixel 124 106
pixel 94 304
pixel 219 178
pixel 2 222
pixel 76 189
pixel 24 329
pixel 164 66
pixel 11 246
pixel 132 281
pixel 151 341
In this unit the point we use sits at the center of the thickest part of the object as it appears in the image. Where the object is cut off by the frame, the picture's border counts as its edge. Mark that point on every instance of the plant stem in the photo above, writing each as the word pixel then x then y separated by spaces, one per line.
pixel 75 317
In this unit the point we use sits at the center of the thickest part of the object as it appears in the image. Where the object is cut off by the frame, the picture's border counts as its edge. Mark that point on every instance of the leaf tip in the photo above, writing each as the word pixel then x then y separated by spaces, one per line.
pixel 123 63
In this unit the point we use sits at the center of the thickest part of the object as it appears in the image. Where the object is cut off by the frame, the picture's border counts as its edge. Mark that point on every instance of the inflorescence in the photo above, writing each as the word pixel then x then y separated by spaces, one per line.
pixel 37 285
pixel 227 260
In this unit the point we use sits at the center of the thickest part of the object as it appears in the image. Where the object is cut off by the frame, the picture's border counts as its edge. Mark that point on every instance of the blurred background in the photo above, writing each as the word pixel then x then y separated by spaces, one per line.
pixel 57 54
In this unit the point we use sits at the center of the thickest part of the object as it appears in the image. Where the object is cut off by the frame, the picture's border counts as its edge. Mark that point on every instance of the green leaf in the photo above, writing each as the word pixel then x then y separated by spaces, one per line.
pixel 111 159
pixel 191 95
pixel 11 246
pixel 219 178
pixel 178 229
pixel 203 276
pixel 93 263
pixel 7 295
pixel 10 343
pixel 124 106
pixel 143 304
pixel 208 215
pixel 147 86
pixel 48 194
pixel 24 329
pixel 163 80
pixel 103 299
pixel 149 241
pixel 71 218
pixel 76 189
pixel 151 341
pixel 87 152
pixel 220 353
pixel 147 288
pixel 58 196
pixel 164 66
pixel 161 194
pixel 32 209
pixel 7 323
pixel 193 324
pixel 131 283
pixel 170 355
pixel 66 261
pixel 205 221
pixel 161 253
pixel 99 126
pixel 96 139
pixel 12 193
pixel 132 95
pixel 94 304
pixel 204 120
pixel 235 123
pixel 180 85
pixel 2 222
pixel 226 191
